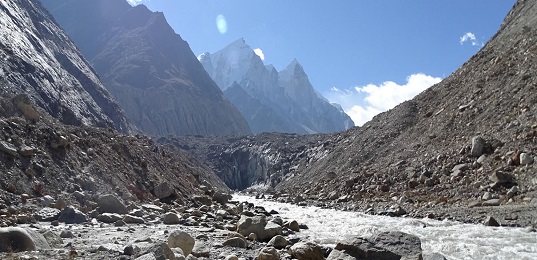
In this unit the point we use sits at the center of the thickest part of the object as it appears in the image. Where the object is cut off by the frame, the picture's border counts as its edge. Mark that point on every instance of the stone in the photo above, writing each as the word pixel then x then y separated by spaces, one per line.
pixel 131 250
pixel 512 191
pixel 203 200
pixel 271 229
pixel 161 251
pixel 66 234
pixel 306 251
pixel 26 151
pixel 525 159
pixel 492 202
pixel 231 257
pixel 163 190
pixel 478 145
pixel 47 214
pixel 501 177
pixel 278 242
pixel 201 250
pixel 268 253
pixel 8 148
pixel 171 219
pixel 111 204
pixel 236 242
pixel 54 240
pixel 385 245
pixel 434 256
pixel 130 219
pixel 70 215
pixel 252 237
pixel 181 240
pixel 15 239
pixel 109 217
pixel 221 197
pixel 487 196
pixel 491 222
pixel 458 170
pixel 293 225
pixel 247 225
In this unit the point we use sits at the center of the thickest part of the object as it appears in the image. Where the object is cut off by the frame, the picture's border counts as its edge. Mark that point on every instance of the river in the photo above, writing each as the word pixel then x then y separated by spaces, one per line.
pixel 452 239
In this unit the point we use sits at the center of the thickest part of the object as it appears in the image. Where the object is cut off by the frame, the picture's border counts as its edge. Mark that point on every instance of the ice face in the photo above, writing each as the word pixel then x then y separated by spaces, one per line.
pixel 452 239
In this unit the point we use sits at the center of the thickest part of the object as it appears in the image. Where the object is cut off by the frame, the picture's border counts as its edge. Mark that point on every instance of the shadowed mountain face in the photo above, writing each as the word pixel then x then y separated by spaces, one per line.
pixel 39 60
pixel 282 101
pixel 148 68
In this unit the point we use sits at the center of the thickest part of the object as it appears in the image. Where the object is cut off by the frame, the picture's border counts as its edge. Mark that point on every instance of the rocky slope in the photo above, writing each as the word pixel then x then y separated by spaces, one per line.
pixel 272 101
pixel 38 59
pixel 148 68
pixel 470 140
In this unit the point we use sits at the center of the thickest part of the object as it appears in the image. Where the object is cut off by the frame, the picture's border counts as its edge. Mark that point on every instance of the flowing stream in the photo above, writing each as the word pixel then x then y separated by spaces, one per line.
pixel 452 239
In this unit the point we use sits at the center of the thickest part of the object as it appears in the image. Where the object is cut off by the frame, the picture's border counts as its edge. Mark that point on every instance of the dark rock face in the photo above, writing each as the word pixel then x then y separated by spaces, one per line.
pixel 149 69
pixel 38 59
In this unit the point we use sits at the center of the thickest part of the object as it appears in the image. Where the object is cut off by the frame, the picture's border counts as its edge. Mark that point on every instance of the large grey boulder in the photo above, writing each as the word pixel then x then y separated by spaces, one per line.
pixel 163 190
pixel 111 204
pixel 182 240
pixel 14 239
pixel 258 225
pixel 382 246
pixel 306 251
pixel 268 253
pixel 70 215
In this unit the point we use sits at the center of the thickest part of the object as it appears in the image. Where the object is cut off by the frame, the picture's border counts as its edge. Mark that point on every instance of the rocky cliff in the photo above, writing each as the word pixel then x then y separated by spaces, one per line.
pixel 38 59
pixel 270 100
pixel 148 68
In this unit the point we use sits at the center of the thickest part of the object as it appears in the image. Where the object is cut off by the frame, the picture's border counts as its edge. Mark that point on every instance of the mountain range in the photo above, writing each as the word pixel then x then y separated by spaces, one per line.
pixel 150 70
pixel 272 101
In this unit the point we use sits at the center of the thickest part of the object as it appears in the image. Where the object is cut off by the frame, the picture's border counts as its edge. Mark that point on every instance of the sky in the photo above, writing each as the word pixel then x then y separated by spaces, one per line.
pixel 368 56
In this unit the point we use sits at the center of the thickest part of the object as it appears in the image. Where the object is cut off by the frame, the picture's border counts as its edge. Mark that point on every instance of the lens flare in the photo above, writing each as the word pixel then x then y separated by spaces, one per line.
pixel 221 24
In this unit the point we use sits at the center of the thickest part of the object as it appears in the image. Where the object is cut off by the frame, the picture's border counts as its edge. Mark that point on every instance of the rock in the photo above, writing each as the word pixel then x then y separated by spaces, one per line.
pixel 181 240
pixel 252 237
pixel 278 242
pixel 109 217
pixel 130 219
pixel 501 177
pixel 236 242
pixel 293 225
pixel 247 225
pixel 131 250
pixel 221 198
pixel 492 202
pixel 512 192
pixel 459 169
pixel 66 234
pixel 171 219
pixel 70 215
pixel 525 159
pixel 306 251
pixel 268 253
pixel 8 148
pixel 163 190
pixel 271 229
pixel 47 214
pixel 487 196
pixel 203 200
pixel 111 204
pixel 231 257
pixel 15 239
pixel 161 251
pixel 478 145
pixel 491 222
pixel 481 159
pixel 434 256
pixel 53 239
pixel 201 250
pixel 384 245
pixel 27 151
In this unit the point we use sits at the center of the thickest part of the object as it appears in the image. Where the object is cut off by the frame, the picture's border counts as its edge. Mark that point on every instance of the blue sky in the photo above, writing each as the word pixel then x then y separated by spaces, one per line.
pixel 365 55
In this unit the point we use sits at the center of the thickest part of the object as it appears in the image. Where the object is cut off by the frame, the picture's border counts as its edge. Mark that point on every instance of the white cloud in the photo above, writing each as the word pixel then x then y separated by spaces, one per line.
pixel 468 37
pixel 134 2
pixel 259 53
pixel 362 103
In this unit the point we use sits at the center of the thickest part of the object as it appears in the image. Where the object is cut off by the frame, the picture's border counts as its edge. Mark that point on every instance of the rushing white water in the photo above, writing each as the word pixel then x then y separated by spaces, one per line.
pixel 452 239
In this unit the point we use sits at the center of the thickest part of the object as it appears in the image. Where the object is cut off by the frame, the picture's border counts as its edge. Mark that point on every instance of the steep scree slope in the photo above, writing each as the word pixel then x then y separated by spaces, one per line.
pixel 411 151
pixel 149 69
pixel 37 58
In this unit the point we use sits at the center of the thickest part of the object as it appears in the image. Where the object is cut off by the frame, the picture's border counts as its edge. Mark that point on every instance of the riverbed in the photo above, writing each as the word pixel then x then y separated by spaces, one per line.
pixel 452 239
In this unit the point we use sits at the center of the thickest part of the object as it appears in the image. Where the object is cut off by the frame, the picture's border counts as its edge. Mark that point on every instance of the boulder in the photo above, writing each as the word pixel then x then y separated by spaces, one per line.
pixel 478 145
pixel 47 214
pixel 163 190
pixel 111 204
pixel 306 251
pixel 130 219
pixel 236 242
pixel 109 217
pixel 8 148
pixel 385 245
pixel 182 240
pixel 278 242
pixel 434 256
pixel 201 250
pixel 70 215
pixel 491 222
pixel 14 239
pixel 271 230
pixel 268 253
pixel 525 159
pixel 293 225
pixel 247 225
pixel 171 219
pixel 221 198
pixel 161 251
